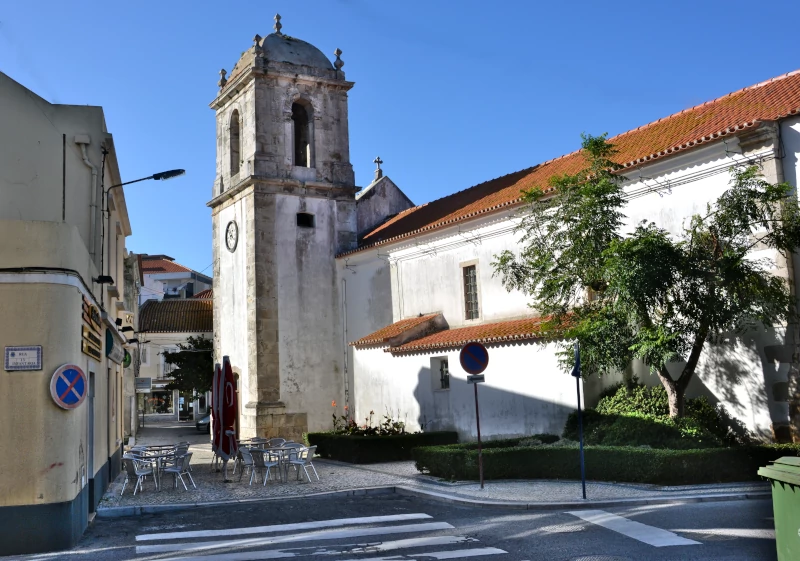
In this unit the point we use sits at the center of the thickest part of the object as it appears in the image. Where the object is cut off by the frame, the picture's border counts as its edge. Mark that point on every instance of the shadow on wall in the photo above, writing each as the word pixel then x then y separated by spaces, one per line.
pixel 503 413
pixel 750 382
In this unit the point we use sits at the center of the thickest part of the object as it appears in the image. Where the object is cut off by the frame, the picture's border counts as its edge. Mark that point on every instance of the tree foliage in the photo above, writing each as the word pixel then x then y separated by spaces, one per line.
pixel 194 363
pixel 649 293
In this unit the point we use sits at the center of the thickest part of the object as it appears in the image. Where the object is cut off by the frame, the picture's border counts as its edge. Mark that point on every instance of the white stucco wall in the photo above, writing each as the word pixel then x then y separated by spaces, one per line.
pixel 524 392
pixel 747 374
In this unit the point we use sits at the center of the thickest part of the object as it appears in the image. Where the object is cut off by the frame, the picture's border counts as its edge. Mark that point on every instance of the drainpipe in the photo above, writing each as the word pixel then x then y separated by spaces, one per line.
pixel 83 141
pixel 344 344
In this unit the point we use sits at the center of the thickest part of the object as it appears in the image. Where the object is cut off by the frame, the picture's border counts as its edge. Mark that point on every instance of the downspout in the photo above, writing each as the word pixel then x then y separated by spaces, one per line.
pixel 83 142
pixel 344 344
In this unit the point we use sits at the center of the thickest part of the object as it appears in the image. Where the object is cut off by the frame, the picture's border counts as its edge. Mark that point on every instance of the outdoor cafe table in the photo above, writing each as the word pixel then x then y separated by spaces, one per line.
pixel 157 454
pixel 282 453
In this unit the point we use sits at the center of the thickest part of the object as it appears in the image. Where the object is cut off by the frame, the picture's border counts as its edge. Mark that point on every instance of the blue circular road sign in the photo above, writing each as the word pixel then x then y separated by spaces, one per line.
pixel 68 386
pixel 474 358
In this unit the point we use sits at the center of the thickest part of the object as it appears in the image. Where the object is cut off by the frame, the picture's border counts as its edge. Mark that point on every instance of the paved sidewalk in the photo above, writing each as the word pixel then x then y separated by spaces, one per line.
pixel 391 477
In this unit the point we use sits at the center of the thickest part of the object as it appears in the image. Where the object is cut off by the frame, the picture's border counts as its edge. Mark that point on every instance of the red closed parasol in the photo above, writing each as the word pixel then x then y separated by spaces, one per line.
pixel 225 409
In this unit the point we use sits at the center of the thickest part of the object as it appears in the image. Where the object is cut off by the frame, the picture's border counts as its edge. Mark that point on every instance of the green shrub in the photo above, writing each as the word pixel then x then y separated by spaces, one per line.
pixel 636 415
pixel 637 399
pixel 603 463
pixel 360 449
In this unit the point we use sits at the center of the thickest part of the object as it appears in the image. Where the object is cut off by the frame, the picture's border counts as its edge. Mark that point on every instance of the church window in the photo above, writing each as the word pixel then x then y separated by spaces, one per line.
pixel 470 292
pixel 305 220
pixel 440 371
pixel 302 136
pixel 235 139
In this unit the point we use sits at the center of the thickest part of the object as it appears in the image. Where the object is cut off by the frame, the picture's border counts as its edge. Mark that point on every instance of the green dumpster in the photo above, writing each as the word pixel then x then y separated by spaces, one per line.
pixel 784 475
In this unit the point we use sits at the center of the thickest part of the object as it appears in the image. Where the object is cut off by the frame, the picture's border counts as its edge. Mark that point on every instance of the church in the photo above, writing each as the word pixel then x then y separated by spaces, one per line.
pixel 329 296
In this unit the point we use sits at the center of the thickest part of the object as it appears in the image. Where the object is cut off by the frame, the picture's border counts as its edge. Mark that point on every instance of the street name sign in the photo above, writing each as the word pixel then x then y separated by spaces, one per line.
pixel 23 358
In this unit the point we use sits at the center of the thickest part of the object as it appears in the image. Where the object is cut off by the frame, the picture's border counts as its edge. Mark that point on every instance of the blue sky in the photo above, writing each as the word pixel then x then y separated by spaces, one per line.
pixel 448 93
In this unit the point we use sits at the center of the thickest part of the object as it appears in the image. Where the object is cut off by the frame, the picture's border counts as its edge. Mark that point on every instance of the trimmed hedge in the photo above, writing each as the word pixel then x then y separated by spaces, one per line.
pixel 603 463
pixel 372 449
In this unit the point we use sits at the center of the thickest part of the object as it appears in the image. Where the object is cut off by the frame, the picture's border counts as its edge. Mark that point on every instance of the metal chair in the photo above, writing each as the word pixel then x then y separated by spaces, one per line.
pixel 263 460
pixel 181 468
pixel 139 469
pixel 276 442
pixel 304 460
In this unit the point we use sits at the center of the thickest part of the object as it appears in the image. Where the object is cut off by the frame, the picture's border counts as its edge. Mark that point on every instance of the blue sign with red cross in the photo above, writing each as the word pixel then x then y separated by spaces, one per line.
pixel 68 386
pixel 474 358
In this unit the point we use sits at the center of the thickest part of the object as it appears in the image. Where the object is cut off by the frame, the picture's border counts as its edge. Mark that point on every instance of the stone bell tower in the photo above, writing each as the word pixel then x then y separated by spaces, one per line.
pixel 283 206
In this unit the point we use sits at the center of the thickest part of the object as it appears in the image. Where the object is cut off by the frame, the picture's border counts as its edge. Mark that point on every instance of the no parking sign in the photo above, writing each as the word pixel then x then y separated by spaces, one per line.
pixel 68 386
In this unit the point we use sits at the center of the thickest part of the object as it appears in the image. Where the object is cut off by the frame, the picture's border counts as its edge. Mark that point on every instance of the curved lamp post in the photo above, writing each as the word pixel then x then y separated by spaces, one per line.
pixel 160 176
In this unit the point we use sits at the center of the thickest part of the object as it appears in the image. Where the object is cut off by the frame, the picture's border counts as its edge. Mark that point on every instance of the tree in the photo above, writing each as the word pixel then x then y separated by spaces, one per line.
pixel 194 363
pixel 649 294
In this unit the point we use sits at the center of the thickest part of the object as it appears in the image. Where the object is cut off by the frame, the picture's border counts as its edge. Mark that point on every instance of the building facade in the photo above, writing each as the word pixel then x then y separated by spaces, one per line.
pixel 163 326
pixel 163 278
pixel 62 249
pixel 421 283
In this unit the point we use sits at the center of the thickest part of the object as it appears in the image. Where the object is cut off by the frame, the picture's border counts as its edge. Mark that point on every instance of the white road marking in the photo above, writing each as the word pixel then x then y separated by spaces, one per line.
pixel 340 550
pixel 305 537
pixel 636 530
pixel 767 533
pixel 455 554
pixel 282 527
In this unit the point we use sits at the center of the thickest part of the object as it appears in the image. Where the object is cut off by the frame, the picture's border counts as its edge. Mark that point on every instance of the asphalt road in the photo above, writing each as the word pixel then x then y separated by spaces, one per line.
pixel 408 528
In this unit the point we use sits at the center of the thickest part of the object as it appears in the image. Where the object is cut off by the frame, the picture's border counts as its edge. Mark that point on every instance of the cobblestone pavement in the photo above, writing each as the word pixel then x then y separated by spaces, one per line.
pixel 338 476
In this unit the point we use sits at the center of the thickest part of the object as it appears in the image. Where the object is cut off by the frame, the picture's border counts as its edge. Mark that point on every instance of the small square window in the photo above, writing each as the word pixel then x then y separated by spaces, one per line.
pixel 440 373
pixel 470 293
pixel 305 220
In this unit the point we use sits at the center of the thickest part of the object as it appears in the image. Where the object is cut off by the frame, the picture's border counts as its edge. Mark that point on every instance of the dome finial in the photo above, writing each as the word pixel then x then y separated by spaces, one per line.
pixel 339 62
pixel 277 25
pixel 222 79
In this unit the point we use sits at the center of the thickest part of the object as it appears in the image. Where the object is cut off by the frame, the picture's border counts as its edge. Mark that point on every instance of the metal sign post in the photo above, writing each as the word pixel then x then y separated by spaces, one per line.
pixel 576 371
pixel 474 360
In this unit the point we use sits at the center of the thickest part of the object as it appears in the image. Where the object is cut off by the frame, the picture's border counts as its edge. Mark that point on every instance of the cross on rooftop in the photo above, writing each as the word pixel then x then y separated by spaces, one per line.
pixel 378 161
pixel 378 172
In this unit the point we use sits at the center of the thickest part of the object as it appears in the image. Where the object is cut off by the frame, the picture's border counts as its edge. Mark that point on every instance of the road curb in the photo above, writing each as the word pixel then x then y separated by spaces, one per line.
pixel 600 503
pixel 123 511
pixel 120 511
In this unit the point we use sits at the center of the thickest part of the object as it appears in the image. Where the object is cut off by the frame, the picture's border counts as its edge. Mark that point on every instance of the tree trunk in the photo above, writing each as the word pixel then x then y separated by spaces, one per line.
pixel 676 393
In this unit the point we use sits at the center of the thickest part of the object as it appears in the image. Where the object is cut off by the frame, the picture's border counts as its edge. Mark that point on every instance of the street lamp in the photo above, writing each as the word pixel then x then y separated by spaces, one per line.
pixel 160 176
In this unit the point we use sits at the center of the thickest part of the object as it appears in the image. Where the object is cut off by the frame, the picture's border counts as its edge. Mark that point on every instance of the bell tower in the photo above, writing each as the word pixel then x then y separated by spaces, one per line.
pixel 283 206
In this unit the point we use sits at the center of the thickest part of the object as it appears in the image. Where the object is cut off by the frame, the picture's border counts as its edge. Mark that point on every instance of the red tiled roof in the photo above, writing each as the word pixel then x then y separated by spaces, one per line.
pixel 205 294
pixel 767 101
pixel 384 334
pixel 177 315
pixel 498 332
pixel 156 266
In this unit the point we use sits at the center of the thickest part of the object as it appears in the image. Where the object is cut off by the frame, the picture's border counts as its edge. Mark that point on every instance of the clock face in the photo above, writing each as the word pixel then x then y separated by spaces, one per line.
pixel 231 236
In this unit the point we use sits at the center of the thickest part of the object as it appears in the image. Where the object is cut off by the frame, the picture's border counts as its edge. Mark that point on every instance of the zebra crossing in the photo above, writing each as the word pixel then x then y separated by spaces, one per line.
pixel 408 537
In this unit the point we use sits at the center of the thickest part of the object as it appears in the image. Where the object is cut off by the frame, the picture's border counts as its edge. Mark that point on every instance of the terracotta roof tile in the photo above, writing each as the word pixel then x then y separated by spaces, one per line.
pixel 177 315
pixel 384 334
pixel 204 294
pixel 156 266
pixel 713 120
pixel 503 331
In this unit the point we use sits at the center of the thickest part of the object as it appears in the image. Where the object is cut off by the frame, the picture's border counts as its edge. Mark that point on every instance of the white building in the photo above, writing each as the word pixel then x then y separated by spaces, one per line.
pixel 163 325
pixel 62 248
pixel 426 274
pixel 304 265
pixel 164 278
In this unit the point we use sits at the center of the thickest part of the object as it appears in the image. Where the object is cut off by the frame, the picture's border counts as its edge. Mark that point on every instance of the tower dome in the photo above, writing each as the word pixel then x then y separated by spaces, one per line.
pixel 283 48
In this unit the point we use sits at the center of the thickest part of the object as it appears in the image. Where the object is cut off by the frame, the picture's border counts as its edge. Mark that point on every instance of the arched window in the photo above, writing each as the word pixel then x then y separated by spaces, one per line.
pixel 235 138
pixel 302 136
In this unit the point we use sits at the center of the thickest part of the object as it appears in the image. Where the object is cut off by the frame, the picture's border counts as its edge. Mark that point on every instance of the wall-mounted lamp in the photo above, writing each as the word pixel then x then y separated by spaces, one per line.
pixel 103 279
pixel 127 329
